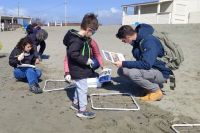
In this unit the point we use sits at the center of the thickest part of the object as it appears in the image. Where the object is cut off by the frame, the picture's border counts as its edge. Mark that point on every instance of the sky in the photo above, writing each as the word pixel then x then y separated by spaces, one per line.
pixel 108 11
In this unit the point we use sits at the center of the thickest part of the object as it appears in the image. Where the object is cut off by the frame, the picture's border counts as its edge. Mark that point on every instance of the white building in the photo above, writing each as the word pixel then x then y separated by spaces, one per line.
pixel 13 22
pixel 162 12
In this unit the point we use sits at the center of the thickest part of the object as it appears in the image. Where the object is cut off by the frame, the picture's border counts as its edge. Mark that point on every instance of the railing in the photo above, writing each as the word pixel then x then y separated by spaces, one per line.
pixel 153 18
pixel 164 18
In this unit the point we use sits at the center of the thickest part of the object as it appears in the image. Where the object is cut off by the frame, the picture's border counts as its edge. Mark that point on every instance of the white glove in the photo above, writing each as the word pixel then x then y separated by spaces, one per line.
pixel 68 78
pixel 20 57
pixel 90 61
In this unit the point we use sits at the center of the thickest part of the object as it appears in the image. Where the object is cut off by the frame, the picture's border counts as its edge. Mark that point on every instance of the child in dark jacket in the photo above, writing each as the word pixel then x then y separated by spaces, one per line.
pixel 23 59
pixel 95 56
pixel 80 62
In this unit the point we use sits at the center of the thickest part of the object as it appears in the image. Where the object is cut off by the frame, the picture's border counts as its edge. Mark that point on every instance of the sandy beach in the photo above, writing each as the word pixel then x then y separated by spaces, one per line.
pixel 24 112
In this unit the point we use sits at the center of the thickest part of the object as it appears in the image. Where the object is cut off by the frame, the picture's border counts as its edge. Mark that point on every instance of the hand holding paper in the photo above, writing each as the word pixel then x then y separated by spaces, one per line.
pixel 118 64
pixel 20 57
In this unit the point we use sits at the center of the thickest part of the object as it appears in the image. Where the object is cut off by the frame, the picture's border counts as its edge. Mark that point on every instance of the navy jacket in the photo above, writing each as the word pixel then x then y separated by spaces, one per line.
pixel 146 49
pixel 78 52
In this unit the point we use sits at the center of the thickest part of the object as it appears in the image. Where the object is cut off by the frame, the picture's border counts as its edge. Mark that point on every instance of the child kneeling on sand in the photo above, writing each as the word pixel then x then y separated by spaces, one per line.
pixel 80 62
pixel 23 59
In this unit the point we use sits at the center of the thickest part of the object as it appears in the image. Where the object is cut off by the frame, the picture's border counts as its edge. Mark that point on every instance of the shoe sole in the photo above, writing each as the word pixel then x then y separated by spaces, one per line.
pixel 36 92
pixel 73 108
pixel 83 116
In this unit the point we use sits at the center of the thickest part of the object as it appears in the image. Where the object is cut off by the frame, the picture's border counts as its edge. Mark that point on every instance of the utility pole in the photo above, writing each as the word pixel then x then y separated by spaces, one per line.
pixel 18 9
pixel 97 12
pixel 65 12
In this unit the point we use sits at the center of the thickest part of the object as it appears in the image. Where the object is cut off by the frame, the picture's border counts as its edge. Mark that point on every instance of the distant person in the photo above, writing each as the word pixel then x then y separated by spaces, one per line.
pixel 80 62
pixel 95 56
pixel 147 71
pixel 2 26
pixel 38 36
pixel 23 53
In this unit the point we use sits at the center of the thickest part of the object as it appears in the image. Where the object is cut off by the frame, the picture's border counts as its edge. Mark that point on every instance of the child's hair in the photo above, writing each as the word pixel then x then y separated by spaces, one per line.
pixel 90 21
pixel 34 24
pixel 23 42
pixel 125 30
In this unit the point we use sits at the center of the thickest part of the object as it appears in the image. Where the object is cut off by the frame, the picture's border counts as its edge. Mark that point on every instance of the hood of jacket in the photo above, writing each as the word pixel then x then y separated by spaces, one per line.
pixel 143 30
pixel 72 35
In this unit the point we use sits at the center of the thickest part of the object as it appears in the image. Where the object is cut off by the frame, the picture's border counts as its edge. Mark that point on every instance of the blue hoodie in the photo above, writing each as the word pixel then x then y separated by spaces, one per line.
pixel 146 49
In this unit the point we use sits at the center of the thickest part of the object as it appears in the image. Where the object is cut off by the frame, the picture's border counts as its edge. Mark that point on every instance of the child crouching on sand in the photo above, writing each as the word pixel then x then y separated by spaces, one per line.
pixel 22 58
pixel 80 62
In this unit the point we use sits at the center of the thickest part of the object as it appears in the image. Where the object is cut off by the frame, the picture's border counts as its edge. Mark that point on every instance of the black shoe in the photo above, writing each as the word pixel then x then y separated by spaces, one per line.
pixel 74 107
pixel 35 89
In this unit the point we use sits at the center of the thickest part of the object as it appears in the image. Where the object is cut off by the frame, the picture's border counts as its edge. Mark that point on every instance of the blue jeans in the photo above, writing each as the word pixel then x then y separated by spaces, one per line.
pixel 30 74
pixel 96 64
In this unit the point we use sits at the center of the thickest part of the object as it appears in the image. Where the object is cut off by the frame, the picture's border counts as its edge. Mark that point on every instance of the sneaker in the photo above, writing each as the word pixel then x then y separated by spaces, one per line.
pixel 86 114
pixel 35 89
pixel 153 96
pixel 74 107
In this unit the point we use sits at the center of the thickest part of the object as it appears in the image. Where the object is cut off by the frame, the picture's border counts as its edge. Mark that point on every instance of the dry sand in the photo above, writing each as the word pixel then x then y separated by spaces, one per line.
pixel 24 112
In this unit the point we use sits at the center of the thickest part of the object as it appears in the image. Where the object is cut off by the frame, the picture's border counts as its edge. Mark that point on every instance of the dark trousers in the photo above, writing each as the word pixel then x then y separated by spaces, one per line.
pixel 42 48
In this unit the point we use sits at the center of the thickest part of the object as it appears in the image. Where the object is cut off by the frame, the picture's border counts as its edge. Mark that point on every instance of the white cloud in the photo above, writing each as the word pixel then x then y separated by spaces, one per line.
pixel 107 13
pixel 110 16
pixel 114 10
pixel 2 10
pixel 13 12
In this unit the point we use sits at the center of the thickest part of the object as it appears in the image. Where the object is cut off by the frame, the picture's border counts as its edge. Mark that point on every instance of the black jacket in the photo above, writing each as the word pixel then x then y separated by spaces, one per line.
pixel 28 59
pixel 78 52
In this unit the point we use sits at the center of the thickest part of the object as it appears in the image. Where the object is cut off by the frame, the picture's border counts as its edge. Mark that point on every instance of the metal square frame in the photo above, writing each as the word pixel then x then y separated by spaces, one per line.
pixel 115 109
pixel 182 125
pixel 56 89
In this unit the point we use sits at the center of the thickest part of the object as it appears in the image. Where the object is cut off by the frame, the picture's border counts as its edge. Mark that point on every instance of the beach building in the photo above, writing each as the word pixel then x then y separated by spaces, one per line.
pixel 13 22
pixel 161 12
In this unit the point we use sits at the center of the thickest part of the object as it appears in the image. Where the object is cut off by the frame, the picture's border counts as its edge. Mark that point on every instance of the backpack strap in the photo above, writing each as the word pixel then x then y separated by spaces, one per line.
pixel 89 52
pixel 140 45
pixel 88 47
pixel 172 81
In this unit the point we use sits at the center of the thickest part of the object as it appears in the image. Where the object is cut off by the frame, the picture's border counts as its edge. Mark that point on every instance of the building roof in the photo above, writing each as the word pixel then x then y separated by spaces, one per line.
pixel 17 17
pixel 145 2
